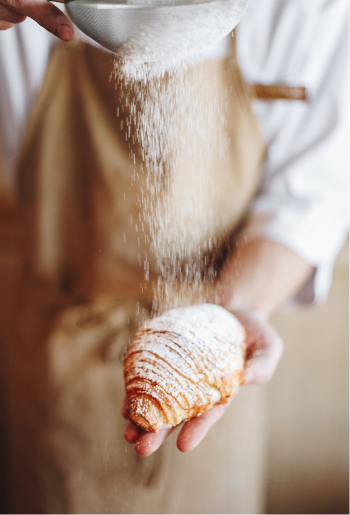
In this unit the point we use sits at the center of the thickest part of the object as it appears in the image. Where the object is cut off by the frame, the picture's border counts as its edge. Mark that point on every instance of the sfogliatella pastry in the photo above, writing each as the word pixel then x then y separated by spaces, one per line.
pixel 182 363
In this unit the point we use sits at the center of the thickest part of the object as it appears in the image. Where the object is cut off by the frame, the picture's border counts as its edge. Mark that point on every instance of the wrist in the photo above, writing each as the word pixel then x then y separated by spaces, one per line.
pixel 237 304
pixel 259 277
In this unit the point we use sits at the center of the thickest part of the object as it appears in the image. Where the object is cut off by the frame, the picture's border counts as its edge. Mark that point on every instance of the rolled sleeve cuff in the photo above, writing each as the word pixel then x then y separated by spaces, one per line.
pixel 314 233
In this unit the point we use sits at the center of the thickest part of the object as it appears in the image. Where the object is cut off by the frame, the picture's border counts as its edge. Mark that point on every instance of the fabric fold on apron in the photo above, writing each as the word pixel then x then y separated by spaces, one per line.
pixel 80 293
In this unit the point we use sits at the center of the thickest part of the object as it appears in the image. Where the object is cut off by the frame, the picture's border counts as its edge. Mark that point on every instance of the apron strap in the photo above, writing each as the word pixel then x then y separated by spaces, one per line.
pixel 277 92
pixel 264 91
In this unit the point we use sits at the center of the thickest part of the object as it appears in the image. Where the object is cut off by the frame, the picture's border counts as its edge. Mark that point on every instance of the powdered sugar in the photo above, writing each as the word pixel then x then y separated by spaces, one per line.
pixel 186 361
pixel 178 122
pixel 166 31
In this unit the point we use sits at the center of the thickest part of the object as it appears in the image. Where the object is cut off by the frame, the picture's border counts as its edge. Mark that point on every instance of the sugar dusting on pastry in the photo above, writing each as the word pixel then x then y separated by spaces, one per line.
pixel 182 363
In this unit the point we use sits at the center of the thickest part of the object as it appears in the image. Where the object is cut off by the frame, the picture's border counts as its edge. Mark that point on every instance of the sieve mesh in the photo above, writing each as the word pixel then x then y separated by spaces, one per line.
pixel 156 31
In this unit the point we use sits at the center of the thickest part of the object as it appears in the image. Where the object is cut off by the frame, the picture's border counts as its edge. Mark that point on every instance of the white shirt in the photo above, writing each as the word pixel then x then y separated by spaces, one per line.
pixel 304 187
pixel 304 179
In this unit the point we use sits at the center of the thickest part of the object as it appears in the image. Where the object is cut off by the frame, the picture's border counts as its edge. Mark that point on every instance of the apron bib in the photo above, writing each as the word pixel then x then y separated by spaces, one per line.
pixel 87 270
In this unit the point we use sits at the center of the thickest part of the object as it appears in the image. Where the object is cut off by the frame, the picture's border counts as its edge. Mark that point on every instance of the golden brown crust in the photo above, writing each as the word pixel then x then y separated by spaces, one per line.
pixel 180 364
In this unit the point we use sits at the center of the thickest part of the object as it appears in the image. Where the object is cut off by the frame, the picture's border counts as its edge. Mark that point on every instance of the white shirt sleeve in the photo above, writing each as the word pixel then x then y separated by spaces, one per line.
pixel 24 53
pixel 303 195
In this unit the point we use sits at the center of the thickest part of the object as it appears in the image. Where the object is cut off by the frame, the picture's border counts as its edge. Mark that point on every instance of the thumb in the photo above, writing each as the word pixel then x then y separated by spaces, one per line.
pixel 45 14
pixel 264 358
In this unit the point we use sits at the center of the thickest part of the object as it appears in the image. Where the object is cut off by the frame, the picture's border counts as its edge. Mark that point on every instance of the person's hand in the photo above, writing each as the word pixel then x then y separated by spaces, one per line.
pixel 42 11
pixel 264 349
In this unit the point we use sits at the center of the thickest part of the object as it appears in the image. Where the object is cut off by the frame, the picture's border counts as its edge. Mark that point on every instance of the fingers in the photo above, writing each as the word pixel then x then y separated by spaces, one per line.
pixel 190 436
pixel 9 17
pixel 132 432
pixel 44 13
pixel 147 443
pixel 195 429
pixel 264 348
pixel 4 25
pixel 64 32
pixel 264 357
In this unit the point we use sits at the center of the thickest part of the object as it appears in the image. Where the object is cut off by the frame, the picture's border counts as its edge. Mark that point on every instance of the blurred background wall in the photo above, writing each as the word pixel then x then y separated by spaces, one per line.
pixel 309 406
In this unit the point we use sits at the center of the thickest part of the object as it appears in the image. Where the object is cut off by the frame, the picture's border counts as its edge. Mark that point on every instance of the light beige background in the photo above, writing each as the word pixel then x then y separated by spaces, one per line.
pixel 309 406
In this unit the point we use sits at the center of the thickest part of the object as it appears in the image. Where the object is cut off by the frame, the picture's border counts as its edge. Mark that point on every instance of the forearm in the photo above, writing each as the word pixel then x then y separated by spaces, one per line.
pixel 259 277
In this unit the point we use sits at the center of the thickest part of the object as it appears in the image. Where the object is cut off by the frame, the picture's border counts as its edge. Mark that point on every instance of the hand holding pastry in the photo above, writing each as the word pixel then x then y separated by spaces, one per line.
pixel 182 363
pixel 262 349
pixel 258 277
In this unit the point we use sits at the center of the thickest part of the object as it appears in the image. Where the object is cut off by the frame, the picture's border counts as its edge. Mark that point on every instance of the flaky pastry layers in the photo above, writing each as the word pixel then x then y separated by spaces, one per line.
pixel 182 363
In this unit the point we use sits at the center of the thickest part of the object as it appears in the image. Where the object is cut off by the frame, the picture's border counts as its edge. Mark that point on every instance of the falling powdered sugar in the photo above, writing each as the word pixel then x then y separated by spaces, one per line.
pixel 176 129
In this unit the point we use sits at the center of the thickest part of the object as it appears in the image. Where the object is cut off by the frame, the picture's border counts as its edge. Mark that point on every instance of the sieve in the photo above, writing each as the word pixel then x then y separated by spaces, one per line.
pixel 156 30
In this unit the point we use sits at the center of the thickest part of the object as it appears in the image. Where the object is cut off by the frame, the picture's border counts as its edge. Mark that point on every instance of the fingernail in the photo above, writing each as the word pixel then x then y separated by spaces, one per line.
pixel 64 32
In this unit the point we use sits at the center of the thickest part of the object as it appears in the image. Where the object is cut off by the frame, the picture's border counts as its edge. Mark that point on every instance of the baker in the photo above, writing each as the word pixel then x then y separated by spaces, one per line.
pixel 73 293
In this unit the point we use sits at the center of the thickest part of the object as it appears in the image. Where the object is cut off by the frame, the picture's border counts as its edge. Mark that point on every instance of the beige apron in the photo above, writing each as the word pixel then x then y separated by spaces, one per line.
pixel 79 289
